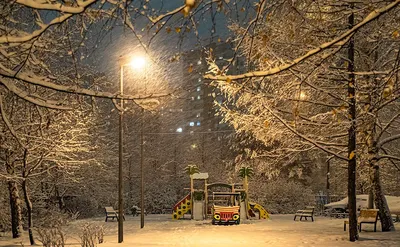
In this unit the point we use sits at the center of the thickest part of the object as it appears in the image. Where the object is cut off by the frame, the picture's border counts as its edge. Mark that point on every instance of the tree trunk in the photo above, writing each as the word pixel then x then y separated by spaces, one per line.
pixel 380 201
pixel 16 213
pixel 328 184
pixel 28 204
pixel 351 94
pixel 371 198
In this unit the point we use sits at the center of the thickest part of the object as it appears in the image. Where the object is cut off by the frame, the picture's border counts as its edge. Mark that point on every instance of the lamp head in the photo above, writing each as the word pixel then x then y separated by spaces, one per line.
pixel 137 62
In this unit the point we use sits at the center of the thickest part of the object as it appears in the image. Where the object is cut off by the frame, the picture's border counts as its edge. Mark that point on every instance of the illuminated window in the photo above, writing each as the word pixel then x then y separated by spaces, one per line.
pixel 198 97
pixel 198 89
pixel 179 130
pixel 191 123
pixel 199 62
pixel 198 123
pixel 198 115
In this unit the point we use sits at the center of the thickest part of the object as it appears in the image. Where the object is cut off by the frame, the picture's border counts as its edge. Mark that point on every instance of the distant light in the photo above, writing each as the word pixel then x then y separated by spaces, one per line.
pixel 198 89
pixel 138 62
pixel 303 95
pixel 191 123
pixel 199 62
pixel 198 123
pixel 179 130
pixel 193 146
pixel 198 97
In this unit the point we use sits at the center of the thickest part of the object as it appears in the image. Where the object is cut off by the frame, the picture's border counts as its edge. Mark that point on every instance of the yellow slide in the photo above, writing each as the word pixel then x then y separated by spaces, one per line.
pixel 262 212
pixel 182 207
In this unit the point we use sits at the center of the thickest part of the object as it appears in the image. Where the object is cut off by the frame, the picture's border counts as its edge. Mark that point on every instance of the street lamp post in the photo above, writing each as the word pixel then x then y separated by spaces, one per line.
pixel 137 63
pixel 141 173
pixel 120 146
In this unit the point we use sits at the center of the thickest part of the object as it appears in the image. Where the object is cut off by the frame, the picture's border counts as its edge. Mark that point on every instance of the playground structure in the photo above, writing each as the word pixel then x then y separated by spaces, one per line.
pixel 200 201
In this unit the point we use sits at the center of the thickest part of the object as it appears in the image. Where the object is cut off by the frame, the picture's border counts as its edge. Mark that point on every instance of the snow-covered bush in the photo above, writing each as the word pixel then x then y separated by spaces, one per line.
pixel 281 196
pixel 52 237
pixel 5 224
pixel 91 235
pixel 85 206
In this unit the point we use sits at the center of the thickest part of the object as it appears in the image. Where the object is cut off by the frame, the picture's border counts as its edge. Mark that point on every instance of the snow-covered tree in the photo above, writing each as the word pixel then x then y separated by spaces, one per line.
pixel 300 87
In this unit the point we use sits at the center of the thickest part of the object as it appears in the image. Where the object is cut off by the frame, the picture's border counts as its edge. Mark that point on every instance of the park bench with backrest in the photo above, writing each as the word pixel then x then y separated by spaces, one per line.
pixel 368 216
pixel 111 213
pixel 308 212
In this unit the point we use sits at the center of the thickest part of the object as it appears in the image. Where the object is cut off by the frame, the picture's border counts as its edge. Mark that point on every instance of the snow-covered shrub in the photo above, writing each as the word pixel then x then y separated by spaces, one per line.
pixel 5 222
pixel 281 196
pixel 50 217
pixel 91 235
pixel 86 206
pixel 51 237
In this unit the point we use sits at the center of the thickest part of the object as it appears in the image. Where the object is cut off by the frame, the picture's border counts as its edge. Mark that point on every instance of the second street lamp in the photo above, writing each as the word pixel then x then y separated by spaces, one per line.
pixel 136 63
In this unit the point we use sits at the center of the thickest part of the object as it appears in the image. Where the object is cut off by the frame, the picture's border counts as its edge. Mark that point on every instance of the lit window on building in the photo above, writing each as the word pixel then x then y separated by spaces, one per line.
pixel 198 89
pixel 191 124
pixel 199 80
pixel 198 97
pixel 199 62
pixel 221 58
pixel 198 123
pixel 198 115
pixel 179 130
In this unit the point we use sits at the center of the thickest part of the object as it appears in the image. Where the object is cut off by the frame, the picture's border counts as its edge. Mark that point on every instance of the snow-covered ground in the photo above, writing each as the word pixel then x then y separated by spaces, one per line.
pixel 281 230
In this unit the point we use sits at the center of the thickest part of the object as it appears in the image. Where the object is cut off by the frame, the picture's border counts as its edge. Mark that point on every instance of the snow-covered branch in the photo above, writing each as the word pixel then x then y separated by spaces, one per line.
pixel 327 45
pixel 387 140
pixel 60 7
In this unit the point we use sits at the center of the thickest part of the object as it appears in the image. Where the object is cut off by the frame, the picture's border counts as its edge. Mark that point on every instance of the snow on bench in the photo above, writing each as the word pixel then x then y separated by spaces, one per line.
pixel 368 216
pixel 308 212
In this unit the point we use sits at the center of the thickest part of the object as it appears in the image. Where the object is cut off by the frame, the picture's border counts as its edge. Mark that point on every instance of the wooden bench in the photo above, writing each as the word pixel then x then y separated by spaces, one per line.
pixel 111 213
pixel 368 216
pixel 308 212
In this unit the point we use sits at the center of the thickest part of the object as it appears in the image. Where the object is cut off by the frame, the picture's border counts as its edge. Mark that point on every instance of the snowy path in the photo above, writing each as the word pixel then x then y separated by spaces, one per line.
pixel 160 230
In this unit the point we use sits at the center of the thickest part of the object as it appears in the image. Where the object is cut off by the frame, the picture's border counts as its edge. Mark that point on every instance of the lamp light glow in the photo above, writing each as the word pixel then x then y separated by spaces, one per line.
pixel 137 62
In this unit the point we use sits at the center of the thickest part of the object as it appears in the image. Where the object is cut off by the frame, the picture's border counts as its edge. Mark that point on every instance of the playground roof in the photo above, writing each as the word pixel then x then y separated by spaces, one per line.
pixel 226 193
pixel 201 175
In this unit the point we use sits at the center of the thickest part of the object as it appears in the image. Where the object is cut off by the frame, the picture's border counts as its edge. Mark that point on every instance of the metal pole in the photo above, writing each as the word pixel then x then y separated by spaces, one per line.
pixel 141 174
pixel 120 146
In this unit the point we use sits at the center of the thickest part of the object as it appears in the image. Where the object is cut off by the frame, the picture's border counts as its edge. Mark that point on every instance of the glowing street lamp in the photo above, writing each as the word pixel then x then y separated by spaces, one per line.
pixel 303 95
pixel 137 63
